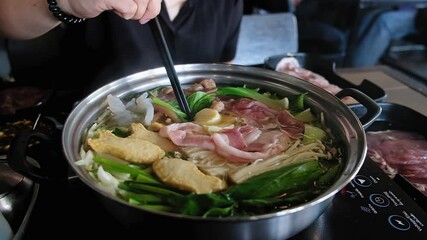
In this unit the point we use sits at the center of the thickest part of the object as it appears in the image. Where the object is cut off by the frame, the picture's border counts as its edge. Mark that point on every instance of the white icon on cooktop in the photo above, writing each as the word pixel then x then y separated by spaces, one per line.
pixel 352 194
pixel 365 209
pixel 362 181
pixel 399 222
pixel 379 200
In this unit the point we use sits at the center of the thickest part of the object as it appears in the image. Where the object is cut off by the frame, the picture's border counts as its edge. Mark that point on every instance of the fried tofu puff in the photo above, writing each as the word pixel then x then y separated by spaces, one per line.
pixel 139 131
pixel 129 149
pixel 186 176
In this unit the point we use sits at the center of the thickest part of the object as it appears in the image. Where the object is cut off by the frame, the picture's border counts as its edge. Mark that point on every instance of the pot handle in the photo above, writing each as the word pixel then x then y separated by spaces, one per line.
pixel 373 110
pixel 47 167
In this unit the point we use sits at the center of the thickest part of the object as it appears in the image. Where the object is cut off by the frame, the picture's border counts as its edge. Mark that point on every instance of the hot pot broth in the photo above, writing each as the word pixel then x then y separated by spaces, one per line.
pixel 246 152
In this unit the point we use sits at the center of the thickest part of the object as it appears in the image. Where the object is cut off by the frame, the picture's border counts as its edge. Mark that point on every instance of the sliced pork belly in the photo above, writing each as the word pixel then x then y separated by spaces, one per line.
pixel 267 144
pixel 400 152
pixel 291 66
pixel 187 135
pixel 261 116
pixel 263 132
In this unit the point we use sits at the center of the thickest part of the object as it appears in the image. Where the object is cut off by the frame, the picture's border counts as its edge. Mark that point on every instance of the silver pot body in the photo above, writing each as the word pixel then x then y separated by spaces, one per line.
pixel 279 225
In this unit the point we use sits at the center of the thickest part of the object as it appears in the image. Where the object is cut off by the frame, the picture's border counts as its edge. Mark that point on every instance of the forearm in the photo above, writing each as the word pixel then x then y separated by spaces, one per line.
pixel 25 19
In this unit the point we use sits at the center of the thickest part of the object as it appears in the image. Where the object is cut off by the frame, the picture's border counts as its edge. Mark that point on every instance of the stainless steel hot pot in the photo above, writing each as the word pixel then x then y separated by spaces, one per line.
pixel 280 225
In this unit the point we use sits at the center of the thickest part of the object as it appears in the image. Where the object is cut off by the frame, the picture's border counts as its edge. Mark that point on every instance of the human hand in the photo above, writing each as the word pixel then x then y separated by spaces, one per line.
pixel 140 10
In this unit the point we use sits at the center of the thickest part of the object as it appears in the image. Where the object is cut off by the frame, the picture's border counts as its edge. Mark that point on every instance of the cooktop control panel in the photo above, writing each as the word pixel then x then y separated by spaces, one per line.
pixel 386 204
pixel 371 206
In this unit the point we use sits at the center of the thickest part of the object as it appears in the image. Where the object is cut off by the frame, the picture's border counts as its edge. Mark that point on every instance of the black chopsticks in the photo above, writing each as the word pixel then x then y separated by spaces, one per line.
pixel 169 65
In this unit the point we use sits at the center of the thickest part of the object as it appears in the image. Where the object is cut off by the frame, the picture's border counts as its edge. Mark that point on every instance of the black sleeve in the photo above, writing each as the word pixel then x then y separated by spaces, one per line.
pixel 235 18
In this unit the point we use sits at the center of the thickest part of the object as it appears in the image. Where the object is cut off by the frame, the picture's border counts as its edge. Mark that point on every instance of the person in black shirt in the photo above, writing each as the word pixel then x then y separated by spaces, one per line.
pixel 75 60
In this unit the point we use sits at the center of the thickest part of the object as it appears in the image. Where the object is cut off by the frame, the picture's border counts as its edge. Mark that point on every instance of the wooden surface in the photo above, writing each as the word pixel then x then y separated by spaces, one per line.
pixel 400 88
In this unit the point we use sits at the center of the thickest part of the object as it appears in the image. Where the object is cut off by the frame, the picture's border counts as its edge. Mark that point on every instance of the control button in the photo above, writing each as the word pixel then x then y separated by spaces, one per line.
pixel 362 181
pixel 399 222
pixel 365 209
pixel 379 200
pixel 351 194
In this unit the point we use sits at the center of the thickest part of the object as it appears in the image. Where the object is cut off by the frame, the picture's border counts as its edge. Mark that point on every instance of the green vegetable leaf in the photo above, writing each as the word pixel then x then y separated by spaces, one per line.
pixel 312 134
pixel 110 165
pixel 297 103
pixel 255 95
pixel 142 198
pixel 261 203
pixel 305 116
pixel 277 182
pixel 330 175
pixel 161 208
pixel 120 132
pixel 199 100
pixel 139 187
pixel 302 196
pixel 220 212
pixel 201 204
pixel 180 114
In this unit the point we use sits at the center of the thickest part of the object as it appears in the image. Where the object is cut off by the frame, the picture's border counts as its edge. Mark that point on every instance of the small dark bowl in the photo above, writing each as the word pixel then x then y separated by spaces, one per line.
pixel 399 117
pixel 326 68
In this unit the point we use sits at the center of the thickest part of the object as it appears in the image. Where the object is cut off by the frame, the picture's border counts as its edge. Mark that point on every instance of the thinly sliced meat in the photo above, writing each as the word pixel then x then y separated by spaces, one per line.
pixel 166 94
pixel 414 169
pixel 266 145
pixel 261 116
pixel 290 125
pixel 379 136
pixel 273 141
pixel 290 65
pixel 406 151
pixel 241 137
pixel 233 154
pixel 206 85
pixel 187 127
pixel 187 135
pixel 287 64
pixel 254 112
pixel 263 132
pixel 332 88
pixel 400 152
pixel 240 144
pixel 418 180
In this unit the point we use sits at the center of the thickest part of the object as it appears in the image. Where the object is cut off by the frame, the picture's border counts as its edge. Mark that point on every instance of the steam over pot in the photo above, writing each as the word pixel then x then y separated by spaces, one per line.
pixel 279 225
